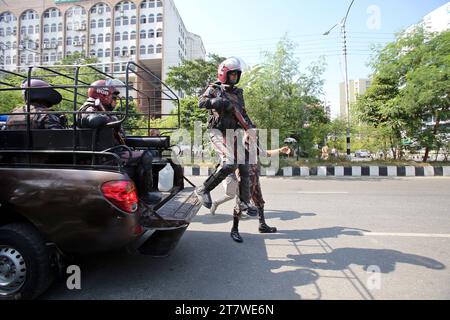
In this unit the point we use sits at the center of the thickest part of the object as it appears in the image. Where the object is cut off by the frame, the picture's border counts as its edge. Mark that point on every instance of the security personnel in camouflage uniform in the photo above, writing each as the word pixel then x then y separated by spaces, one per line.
pixel 41 99
pixel 102 98
pixel 219 99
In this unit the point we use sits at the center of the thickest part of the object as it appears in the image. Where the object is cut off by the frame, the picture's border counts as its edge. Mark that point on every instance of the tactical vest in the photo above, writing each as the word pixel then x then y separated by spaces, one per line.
pixel 19 122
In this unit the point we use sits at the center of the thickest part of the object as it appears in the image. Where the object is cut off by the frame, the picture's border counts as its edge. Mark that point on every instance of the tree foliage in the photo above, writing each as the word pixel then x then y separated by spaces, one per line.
pixel 410 87
pixel 280 96
pixel 193 76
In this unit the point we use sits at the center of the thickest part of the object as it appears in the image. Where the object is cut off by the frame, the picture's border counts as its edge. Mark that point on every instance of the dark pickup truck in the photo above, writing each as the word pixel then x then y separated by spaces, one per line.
pixel 58 200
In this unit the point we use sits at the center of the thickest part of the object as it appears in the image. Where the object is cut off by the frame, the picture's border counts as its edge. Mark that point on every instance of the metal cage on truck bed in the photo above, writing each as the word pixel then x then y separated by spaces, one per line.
pixel 138 111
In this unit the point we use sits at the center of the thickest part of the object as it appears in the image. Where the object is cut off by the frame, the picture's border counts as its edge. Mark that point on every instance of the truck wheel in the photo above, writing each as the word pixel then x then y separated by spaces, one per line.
pixel 25 267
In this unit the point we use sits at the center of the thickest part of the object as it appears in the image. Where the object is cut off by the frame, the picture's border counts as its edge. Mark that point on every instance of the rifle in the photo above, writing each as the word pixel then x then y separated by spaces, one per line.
pixel 239 117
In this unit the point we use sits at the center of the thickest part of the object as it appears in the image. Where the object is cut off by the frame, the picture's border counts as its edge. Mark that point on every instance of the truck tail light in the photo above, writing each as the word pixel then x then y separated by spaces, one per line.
pixel 122 194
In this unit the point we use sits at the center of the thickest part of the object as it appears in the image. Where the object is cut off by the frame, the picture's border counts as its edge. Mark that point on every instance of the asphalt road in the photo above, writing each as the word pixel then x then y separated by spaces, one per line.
pixel 338 239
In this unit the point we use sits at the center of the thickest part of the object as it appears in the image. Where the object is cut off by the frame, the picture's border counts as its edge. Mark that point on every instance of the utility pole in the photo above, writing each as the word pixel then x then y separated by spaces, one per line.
pixel 347 94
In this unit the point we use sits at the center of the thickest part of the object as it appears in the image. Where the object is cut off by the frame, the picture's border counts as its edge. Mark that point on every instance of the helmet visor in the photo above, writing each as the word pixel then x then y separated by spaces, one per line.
pixel 119 86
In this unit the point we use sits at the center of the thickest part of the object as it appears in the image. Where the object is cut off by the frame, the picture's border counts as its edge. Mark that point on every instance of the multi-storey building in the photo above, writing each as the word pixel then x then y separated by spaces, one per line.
pixel 149 32
pixel 355 88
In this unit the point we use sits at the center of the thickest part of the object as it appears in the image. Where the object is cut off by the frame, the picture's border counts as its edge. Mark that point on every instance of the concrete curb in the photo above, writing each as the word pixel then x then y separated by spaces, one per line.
pixel 332 171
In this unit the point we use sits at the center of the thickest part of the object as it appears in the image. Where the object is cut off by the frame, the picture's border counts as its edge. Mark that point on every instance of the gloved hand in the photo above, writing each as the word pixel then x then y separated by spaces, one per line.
pixel 221 104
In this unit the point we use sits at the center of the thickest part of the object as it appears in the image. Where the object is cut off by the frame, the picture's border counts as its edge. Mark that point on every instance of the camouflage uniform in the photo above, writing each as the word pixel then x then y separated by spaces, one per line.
pixel 39 120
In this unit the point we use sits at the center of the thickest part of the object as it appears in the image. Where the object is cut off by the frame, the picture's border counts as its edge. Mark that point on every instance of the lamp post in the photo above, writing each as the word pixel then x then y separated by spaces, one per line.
pixel 347 95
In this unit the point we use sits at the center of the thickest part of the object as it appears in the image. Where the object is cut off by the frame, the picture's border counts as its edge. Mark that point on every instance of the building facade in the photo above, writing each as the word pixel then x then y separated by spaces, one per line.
pixel 149 32
pixel 355 88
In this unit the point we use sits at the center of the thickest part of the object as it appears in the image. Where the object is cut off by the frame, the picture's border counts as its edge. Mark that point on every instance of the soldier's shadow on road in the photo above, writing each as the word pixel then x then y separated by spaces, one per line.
pixel 269 214
pixel 209 265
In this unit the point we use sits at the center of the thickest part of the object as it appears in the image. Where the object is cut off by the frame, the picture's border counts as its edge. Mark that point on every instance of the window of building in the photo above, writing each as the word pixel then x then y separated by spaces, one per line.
pixel 93 24
pixel 151 49
pixel 92 38
pixel 159 3
pixel 151 18
pixel 92 53
pixel 133 20
pixel 117 36
pixel 143 19
pixel 142 50
pixel 60 41
pixel 132 50
pixel 22 58
pixel 125 21
pixel 100 23
pixel 117 22
pixel 125 36
pixel 55 13
pixel 94 9
pixel 108 37
pixel 151 3
pixel 53 27
pixel 116 67
pixel 8 31
pixel 23 30
pixel 53 56
pixel 108 22
pixel 126 6
pixel 30 29
pixel 151 33
pixel 159 33
pixel 60 55
pixel 100 53
pixel 144 4
pixel 54 42
pixel 133 35
pixel 100 38
pixel 69 41
pixel 60 27
pixel 37 29
pixel 47 14
pixel 83 39
pixel 116 51
pixel 158 48
pixel 46 28
pixel 159 17
pixel 132 6
pixel 107 53
pixel 125 51
pixel 142 34
pixel 69 26
pixel 46 57
pixel 8 60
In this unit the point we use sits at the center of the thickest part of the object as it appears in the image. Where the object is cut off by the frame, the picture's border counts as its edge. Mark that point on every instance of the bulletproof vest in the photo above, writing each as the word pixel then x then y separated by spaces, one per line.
pixel 224 120
pixel 19 122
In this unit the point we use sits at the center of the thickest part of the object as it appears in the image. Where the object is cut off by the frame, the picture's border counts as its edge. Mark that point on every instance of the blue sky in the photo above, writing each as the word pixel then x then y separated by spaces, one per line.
pixel 245 28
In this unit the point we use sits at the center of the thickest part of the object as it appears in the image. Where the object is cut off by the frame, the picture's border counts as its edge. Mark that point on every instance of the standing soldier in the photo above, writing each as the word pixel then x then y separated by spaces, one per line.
pixel 223 99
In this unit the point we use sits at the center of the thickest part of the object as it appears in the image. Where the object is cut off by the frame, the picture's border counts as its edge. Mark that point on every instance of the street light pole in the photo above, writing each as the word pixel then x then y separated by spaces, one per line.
pixel 347 94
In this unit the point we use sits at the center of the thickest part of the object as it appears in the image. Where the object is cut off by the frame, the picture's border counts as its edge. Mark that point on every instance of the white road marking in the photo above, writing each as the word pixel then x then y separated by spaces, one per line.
pixel 418 235
pixel 304 192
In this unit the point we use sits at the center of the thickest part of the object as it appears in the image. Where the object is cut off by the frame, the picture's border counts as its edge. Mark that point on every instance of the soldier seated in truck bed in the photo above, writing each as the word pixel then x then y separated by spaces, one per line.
pixel 102 98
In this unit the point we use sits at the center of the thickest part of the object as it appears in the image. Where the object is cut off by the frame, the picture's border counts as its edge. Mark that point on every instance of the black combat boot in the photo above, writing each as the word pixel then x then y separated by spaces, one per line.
pixel 203 192
pixel 235 231
pixel 263 227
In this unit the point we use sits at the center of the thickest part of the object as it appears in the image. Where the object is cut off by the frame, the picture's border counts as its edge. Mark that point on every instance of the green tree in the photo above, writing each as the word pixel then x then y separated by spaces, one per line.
pixel 410 85
pixel 193 76
pixel 280 96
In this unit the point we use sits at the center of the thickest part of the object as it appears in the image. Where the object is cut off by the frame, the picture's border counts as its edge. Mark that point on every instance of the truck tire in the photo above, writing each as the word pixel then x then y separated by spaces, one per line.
pixel 25 265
